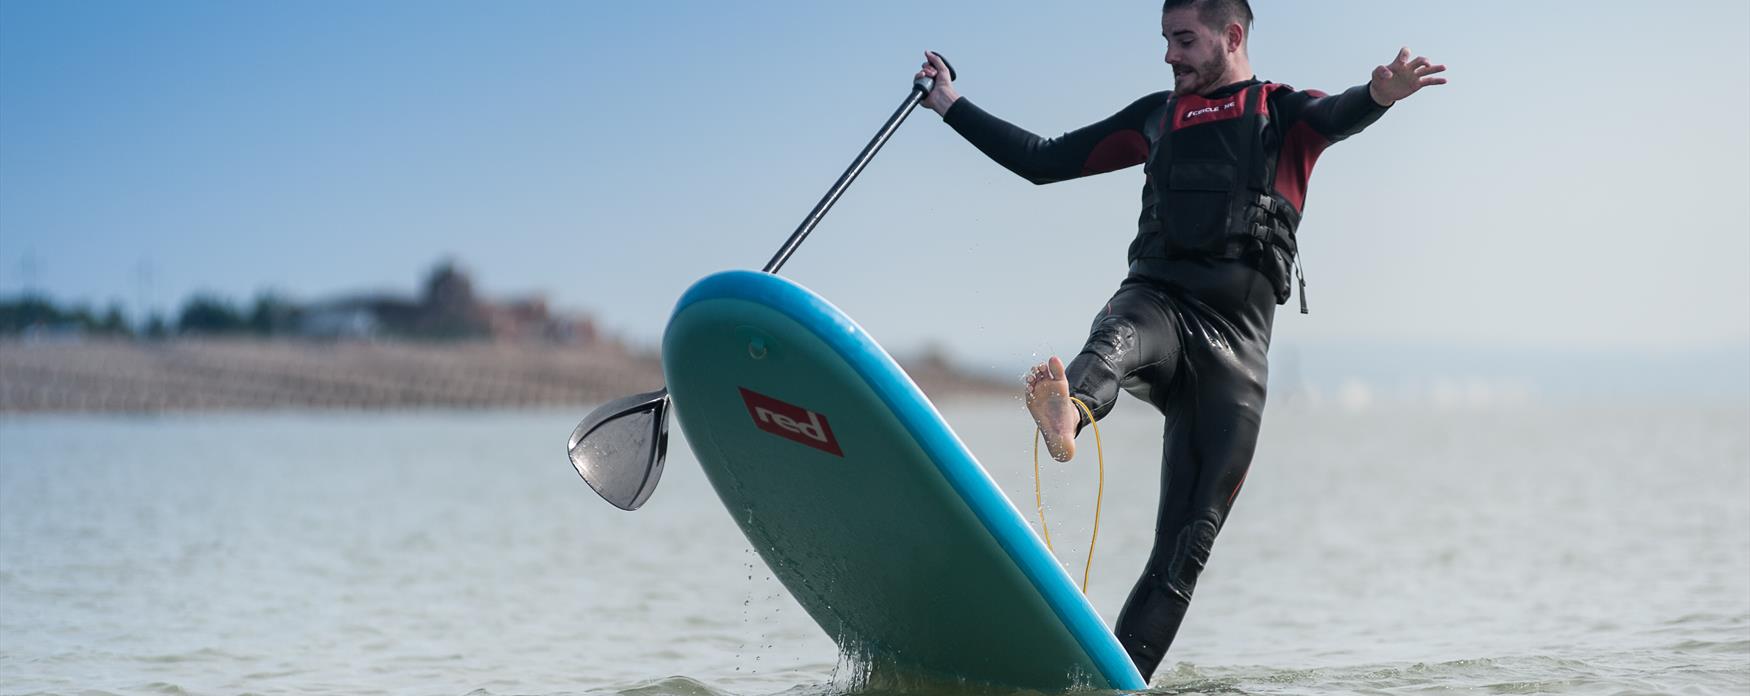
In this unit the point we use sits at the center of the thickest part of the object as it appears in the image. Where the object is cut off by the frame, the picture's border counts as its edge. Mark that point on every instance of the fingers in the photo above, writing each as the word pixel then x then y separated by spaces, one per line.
pixel 932 66
pixel 935 61
pixel 936 68
pixel 1410 71
pixel 1423 79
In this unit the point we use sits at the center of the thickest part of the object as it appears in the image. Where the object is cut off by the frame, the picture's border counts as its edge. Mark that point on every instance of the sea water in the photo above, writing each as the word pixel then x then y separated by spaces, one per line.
pixel 1525 549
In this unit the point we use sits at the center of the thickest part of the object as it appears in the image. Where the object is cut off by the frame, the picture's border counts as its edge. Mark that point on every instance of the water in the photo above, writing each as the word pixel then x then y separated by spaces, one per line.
pixel 1529 550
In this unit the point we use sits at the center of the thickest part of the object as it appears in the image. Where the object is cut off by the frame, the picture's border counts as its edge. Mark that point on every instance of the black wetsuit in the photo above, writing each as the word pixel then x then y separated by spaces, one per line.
pixel 1186 332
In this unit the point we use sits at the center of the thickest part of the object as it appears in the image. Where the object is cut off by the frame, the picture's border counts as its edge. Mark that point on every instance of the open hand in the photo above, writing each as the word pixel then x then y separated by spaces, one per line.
pixel 1403 77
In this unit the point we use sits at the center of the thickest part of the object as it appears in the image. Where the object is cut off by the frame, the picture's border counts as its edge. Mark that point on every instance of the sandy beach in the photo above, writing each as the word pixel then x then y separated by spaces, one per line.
pixel 213 374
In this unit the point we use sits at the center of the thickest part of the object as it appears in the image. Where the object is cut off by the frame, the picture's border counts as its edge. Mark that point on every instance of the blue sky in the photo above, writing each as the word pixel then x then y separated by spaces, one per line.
pixel 1582 186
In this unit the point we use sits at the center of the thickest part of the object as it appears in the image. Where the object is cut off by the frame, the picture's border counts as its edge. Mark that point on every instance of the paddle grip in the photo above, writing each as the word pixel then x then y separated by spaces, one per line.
pixel 928 84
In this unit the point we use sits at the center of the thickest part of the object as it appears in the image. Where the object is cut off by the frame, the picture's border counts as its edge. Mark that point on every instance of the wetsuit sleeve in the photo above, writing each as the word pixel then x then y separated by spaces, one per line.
pixel 1109 145
pixel 1332 117
pixel 1310 122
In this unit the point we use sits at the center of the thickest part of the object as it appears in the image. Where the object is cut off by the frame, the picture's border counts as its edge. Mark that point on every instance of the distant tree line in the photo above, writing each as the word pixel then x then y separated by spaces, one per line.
pixel 23 313
pixel 202 314
pixel 444 309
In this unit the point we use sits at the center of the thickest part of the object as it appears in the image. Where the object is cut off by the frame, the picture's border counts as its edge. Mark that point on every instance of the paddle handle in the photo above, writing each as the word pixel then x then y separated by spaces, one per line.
pixel 928 84
pixel 919 89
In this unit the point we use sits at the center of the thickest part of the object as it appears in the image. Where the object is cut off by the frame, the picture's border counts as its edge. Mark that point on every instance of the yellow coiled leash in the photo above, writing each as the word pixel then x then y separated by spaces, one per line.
pixel 1039 498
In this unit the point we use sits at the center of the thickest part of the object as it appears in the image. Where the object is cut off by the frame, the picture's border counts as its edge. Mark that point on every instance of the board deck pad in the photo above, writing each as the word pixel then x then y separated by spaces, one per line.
pixel 866 506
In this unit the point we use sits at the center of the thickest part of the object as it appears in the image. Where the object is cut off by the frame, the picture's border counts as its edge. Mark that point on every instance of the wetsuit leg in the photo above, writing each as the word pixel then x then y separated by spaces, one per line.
pixel 1213 414
pixel 1134 344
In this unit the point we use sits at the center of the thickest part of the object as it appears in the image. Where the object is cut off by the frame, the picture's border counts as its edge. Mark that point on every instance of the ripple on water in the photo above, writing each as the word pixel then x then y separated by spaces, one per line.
pixel 1602 673
pixel 1734 647
pixel 669 686
pixel 199 655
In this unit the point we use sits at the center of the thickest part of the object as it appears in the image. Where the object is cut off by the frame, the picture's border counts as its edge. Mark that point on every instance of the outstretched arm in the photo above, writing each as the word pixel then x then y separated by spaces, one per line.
pixel 1339 116
pixel 1114 143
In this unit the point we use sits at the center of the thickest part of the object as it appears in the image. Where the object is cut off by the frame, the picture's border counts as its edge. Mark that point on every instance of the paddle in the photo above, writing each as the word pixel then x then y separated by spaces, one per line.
pixel 619 448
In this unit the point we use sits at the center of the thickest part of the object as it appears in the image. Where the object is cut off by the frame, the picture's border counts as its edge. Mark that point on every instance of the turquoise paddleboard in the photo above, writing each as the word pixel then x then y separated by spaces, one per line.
pixel 864 503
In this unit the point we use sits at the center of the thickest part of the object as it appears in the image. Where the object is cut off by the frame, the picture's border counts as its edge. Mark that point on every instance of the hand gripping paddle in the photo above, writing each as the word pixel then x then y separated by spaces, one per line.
pixel 619 448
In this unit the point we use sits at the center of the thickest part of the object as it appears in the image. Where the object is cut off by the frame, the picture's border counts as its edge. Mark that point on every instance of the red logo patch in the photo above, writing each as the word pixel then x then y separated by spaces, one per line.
pixel 790 422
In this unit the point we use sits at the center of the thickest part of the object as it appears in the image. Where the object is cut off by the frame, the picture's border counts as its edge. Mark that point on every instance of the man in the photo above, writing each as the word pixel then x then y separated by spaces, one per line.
pixel 1227 159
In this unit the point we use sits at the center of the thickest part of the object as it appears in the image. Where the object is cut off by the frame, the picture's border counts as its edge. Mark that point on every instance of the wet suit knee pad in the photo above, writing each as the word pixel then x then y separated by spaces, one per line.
pixel 1095 374
pixel 1190 552
pixel 1112 338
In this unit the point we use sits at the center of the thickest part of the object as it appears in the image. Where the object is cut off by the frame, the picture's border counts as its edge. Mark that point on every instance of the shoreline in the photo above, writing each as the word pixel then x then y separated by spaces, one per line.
pixel 218 375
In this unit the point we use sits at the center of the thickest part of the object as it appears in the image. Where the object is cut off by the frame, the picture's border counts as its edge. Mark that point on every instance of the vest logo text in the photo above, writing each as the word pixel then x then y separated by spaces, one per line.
pixel 1196 111
pixel 1205 111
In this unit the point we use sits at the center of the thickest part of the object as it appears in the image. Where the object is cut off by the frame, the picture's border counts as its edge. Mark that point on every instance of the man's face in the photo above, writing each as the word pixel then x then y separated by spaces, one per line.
pixel 1197 52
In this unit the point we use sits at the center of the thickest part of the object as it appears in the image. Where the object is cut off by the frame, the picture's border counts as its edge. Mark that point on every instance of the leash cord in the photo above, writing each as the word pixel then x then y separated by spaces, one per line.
pixel 1039 496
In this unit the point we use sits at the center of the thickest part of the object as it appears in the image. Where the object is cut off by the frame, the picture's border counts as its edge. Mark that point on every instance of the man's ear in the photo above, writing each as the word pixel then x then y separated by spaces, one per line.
pixel 1234 36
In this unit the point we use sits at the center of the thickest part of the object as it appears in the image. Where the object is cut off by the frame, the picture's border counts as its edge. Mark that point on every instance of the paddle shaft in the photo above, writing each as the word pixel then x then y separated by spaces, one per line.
pixel 602 467
pixel 919 89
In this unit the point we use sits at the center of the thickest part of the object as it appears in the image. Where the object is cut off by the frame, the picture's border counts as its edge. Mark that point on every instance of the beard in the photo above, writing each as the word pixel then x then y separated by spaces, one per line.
pixel 1199 77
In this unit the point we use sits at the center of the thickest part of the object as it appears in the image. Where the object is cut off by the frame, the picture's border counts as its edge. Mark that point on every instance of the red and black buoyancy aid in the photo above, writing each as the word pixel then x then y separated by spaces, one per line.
pixel 1212 188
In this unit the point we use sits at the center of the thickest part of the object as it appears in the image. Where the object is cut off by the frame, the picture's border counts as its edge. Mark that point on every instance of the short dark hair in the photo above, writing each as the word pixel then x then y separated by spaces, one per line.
pixel 1216 13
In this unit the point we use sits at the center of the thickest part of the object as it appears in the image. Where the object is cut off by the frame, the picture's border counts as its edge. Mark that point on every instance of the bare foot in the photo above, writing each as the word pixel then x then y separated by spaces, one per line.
pixel 1048 401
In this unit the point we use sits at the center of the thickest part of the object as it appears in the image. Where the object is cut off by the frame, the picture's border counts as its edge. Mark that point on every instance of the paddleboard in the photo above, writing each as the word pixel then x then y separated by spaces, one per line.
pixel 864 504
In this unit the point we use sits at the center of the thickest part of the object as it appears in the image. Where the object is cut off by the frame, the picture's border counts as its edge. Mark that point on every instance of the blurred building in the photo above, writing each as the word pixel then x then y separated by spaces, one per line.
pixel 447 308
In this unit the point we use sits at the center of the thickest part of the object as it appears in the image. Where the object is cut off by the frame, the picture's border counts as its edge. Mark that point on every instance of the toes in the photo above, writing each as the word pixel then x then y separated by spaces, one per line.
pixel 1056 367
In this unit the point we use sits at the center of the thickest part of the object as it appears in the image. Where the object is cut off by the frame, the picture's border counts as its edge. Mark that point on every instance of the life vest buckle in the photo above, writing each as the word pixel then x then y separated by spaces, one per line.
pixel 1267 202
